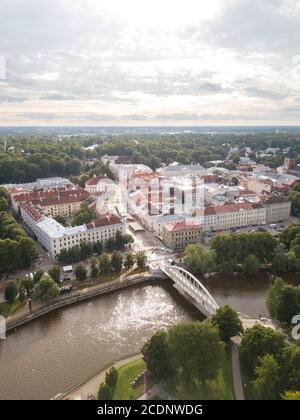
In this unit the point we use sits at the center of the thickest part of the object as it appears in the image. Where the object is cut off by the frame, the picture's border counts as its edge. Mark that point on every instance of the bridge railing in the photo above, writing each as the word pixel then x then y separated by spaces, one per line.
pixel 192 286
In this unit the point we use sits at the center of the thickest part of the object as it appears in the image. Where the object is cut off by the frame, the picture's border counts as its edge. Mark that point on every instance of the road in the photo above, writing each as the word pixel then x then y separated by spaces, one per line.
pixel 236 372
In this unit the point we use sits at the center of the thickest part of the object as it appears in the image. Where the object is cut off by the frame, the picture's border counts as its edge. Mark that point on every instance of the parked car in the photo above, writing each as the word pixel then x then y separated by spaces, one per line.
pixel 65 289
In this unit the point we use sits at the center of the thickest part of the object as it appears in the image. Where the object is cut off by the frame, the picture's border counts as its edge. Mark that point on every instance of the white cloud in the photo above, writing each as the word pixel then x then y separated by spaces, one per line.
pixel 152 62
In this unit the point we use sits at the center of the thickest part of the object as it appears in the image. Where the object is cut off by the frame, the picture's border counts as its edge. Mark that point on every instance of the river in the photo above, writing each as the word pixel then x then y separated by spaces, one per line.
pixel 52 354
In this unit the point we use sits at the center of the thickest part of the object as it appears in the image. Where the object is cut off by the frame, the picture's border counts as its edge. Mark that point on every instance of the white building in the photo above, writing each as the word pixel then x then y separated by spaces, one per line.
pixel 54 237
pixel 100 184
pixel 230 216
pixel 278 208
pixel 176 169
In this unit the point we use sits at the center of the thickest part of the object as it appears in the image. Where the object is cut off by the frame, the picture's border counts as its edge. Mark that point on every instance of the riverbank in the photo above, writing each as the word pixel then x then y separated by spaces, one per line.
pixel 90 385
pixel 39 310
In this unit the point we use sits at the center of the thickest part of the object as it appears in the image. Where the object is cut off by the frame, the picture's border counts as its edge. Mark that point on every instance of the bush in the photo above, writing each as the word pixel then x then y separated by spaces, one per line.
pixel 104 393
pixel 111 377
pixel 10 291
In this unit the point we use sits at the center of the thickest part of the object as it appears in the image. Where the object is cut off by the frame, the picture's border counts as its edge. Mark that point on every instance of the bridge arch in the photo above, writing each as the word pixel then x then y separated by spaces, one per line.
pixel 193 287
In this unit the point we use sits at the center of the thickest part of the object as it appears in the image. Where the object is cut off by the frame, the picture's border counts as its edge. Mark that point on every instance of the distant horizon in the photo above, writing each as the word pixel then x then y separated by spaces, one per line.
pixel 146 126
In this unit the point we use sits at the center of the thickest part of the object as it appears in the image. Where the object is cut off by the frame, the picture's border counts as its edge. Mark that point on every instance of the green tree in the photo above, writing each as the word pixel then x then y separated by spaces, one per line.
pixel 84 215
pixel 94 268
pixel 111 378
pixel 251 265
pixel 38 275
pixel 54 272
pixel 289 234
pixel 28 284
pixel 259 341
pixel 290 363
pixel 156 352
pixel 116 261
pixel 10 291
pixel 98 247
pixel 196 351
pixel 104 264
pixel 46 289
pixel 199 259
pixel 280 263
pixel 22 292
pixel 141 260
pixel 288 303
pixel 266 382
pixel 228 323
pixel 272 298
pixel 104 393
pixel 3 204
pixel 129 261
pixel 291 395
pixel 80 272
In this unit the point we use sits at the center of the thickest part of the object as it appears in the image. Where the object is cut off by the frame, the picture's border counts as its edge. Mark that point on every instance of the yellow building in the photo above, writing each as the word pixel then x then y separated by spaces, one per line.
pixel 177 235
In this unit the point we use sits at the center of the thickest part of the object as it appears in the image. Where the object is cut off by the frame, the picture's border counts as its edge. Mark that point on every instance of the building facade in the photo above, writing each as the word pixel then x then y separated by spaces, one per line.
pixel 99 185
pixel 278 208
pixel 55 238
pixel 178 235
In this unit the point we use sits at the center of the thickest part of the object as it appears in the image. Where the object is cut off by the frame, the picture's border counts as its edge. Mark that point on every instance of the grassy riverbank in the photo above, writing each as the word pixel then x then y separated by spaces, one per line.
pixel 8 309
pixel 126 375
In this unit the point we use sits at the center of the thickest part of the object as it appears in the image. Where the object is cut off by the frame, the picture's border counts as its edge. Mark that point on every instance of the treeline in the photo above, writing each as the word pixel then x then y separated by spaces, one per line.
pixel 86 249
pixel 247 252
pixel 28 157
pixel 283 301
pixel 271 365
pixel 17 250
pixel 227 253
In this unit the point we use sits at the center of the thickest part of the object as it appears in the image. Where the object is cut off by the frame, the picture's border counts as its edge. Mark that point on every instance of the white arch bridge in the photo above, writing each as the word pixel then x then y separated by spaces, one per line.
pixel 186 282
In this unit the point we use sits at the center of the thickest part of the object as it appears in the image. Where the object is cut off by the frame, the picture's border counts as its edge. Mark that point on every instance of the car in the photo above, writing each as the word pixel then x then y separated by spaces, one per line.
pixel 65 289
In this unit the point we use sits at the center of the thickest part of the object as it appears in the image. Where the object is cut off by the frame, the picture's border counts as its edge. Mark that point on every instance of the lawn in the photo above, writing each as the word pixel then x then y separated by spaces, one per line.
pixel 218 389
pixel 127 374
pixel 7 309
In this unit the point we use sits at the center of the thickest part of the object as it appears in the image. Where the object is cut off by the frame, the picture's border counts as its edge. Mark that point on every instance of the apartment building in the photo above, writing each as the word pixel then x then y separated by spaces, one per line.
pixel 277 208
pixel 54 237
pixel 64 201
pixel 98 185
pixel 258 186
pixel 178 235
pixel 229 216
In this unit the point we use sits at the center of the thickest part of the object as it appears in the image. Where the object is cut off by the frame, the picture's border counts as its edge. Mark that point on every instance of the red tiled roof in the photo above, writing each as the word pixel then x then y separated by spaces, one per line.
pixel 276 199
pixel 209 211
pixel 53 197
pixel 34 213
pixel 95 179
pixel 105 221
pixel 180 226
pixel 230 208
pixel 247 192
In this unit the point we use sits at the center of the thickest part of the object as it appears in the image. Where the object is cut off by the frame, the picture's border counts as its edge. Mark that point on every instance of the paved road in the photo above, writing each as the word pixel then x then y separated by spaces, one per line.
pixel 236 372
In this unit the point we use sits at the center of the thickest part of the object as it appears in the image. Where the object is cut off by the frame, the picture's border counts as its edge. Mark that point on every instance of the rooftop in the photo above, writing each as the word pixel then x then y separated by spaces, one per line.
pixel 96 179
pixel 181 226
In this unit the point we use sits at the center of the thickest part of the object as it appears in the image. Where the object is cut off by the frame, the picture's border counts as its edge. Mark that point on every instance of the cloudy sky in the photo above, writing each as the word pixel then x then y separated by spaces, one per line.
pixel 158 62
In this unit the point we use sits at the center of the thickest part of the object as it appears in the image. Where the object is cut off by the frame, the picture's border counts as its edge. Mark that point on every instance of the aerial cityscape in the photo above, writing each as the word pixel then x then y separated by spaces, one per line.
pixel 149 203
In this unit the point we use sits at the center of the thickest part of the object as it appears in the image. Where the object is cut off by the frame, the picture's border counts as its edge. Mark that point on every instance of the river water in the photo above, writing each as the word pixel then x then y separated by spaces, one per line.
pixel 54 353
